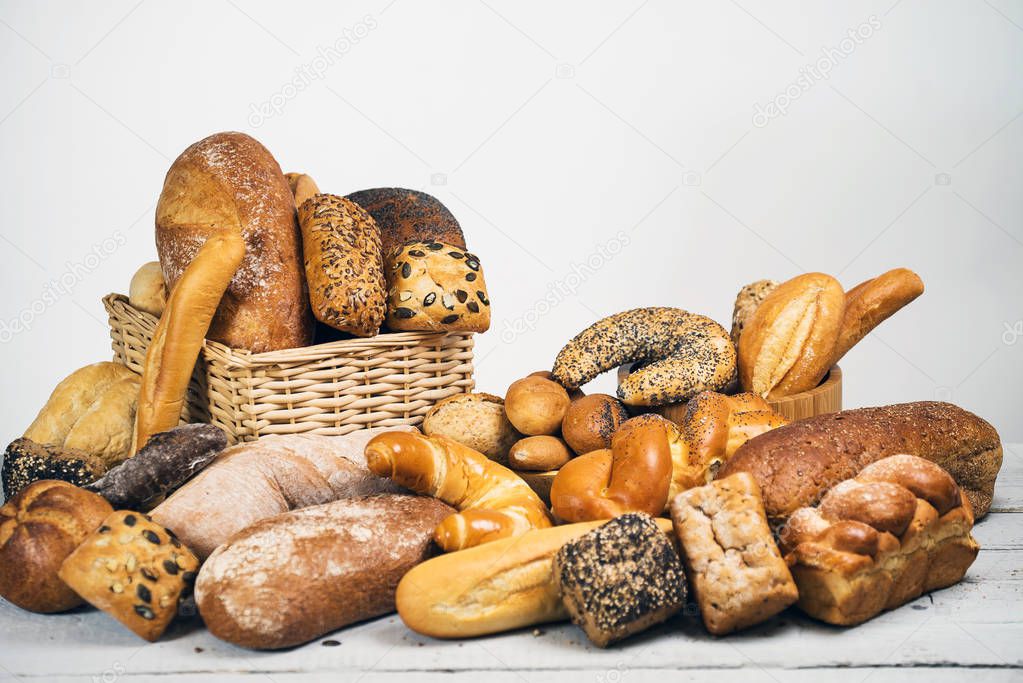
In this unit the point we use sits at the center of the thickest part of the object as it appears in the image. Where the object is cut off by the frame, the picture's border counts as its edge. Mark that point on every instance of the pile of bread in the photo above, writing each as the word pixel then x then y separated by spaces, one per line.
pixel 618 512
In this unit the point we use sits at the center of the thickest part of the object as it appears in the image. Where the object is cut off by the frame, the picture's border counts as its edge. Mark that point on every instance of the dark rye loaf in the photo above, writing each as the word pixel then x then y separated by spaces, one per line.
pixel 796 464
pixel 291 578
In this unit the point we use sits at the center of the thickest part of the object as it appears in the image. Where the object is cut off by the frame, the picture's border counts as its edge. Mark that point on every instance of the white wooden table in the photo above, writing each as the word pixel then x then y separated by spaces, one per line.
pixel 970 632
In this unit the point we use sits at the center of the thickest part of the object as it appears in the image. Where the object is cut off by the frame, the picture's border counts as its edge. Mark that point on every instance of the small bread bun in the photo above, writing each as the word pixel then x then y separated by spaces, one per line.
pixel 573 394
pixel 476 420
pixel 536 405
pixel 539 454
pixel 148 291
pixel 591 421
pixel 788 344
pixel 302 187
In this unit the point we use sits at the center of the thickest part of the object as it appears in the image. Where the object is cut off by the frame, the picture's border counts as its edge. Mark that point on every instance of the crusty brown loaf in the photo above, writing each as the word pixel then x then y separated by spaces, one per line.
pixel 255 480
pixel 737 574
pixel 79 405
pixel 787 345
pixel 230 182
pixel 343 264
pixel 436 287
pixel 291 578
pixel 408 216
pixel 134 570
pixel 897 530
pixel 687 353
pixel 40 527
pixel 796 464
pixel 475 420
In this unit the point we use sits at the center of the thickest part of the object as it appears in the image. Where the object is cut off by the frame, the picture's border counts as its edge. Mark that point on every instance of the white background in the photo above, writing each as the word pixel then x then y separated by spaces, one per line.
pixel 549 129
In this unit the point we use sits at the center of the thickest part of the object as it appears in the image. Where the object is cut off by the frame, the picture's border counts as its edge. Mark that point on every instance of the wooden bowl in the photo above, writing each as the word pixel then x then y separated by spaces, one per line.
pixel 826 397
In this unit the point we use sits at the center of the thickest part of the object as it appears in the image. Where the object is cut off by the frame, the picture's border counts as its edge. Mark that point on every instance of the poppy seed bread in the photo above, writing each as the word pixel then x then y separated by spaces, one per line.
pixel 685 354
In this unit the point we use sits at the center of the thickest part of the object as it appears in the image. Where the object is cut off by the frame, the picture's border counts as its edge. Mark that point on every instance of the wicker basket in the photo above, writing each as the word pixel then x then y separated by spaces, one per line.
pixel 333 388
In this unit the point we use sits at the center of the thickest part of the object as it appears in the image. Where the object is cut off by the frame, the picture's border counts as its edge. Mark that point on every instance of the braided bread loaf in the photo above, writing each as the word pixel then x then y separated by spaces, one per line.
pixel 900 528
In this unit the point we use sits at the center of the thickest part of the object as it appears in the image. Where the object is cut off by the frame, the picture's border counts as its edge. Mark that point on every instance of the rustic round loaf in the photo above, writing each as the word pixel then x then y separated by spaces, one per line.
pixel 685 354
pixel 39 528
pixel 591 421
pixel 475 420
pixel 408 216
pixel 536 405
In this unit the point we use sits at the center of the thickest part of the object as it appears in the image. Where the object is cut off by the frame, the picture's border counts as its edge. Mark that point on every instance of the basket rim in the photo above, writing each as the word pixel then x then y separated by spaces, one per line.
pixel 242 357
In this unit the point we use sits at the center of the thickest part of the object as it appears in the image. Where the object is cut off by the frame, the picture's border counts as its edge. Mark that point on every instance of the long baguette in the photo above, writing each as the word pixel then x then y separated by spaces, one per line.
pixel 179 334
pixel 495 587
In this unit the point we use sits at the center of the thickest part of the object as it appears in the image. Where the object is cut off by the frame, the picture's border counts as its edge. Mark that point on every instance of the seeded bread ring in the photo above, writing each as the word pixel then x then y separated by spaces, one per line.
pixel 685 354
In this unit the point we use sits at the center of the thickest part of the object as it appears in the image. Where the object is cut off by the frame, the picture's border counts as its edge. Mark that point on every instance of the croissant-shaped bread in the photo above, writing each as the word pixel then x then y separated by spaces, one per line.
pixel 493 502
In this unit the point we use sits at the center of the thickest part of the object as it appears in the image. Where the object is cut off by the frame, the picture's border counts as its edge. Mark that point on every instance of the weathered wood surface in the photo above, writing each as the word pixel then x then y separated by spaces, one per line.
pixel 973 629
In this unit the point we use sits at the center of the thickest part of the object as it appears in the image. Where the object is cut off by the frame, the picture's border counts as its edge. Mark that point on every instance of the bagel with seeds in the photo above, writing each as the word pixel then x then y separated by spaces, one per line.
pixel 684 354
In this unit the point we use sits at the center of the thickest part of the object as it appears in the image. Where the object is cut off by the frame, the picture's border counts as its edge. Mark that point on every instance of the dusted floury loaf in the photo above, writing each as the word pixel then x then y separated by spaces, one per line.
pixel 796 464
pixel 258 479
pixel 685 354
pixel 899 529
pixel 291 578
pixel 229 182
pixel 492 501
pixel 343 264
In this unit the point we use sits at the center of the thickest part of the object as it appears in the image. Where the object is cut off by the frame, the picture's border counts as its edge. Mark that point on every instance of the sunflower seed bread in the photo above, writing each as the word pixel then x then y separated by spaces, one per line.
pixel 436 287
pixel 343 264
pixel 134 570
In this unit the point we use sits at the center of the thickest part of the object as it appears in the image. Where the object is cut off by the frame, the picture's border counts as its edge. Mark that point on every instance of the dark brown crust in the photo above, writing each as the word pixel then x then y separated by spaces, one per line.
pixel 796 464
pixel 167 461
pixel 341 565
pixel 408 216
pixel 591 421
pixel 39 528
pixel 26 461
